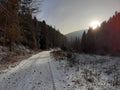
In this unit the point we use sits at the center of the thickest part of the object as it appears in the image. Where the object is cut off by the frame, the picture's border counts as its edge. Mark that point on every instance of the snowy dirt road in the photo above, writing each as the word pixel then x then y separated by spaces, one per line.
pixel 43 72
pixel 31 74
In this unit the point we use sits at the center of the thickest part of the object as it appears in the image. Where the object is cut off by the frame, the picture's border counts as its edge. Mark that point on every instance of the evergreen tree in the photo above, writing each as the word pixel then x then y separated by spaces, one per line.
pixel 43 37
pixel 90 42
pixel 11 25
pixel 83 42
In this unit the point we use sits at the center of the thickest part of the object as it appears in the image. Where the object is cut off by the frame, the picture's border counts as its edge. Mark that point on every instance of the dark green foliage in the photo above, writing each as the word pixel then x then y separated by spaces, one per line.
pixel 64 48
pixel 43 36
pixel 90 42
pixel 17 26
pixel 105 39
pixel 71 58
pixel 83 42
pixel 39 35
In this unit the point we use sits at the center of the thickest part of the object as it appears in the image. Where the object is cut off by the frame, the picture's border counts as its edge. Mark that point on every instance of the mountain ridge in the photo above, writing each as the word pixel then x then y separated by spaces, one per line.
pixel 75 34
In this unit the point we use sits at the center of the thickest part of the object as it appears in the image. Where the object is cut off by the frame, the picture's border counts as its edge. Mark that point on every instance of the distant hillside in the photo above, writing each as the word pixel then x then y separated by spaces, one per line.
pixel 75 34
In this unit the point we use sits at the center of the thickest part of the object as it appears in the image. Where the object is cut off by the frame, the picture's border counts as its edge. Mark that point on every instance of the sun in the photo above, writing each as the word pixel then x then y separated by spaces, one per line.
pixel 95 24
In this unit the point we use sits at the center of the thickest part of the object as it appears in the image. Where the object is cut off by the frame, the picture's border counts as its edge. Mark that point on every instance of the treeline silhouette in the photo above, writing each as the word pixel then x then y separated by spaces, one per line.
pixel 104 40
pixel 18 27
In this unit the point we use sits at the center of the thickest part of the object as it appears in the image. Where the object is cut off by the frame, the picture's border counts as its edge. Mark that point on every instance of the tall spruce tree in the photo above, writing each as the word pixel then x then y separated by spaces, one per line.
pixel 83 42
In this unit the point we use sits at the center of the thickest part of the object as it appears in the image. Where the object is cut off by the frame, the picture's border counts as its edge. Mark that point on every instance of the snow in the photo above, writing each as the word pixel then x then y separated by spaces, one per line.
pixel 4 53
pixel 43 72
pixel 92 72
pixel 31 74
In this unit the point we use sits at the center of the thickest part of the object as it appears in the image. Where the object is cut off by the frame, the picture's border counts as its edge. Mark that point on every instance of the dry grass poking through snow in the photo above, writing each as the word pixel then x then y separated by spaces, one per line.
pixel 88 72
pixel 57 54
pixel 14 60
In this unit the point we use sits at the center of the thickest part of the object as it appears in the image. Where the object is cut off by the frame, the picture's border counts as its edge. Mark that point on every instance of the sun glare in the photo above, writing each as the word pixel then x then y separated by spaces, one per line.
pixel 95 24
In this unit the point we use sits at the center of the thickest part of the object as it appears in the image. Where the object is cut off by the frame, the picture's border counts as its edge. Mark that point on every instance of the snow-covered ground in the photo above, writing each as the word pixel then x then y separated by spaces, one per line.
pixel 91 72
pixel 31 74
pixel 18 49
pixel 43 72
pixel 4 53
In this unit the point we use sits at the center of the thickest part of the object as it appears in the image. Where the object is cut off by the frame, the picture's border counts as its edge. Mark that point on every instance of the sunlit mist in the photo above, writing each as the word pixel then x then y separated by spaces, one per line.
pixel 72 15
pixel 95 24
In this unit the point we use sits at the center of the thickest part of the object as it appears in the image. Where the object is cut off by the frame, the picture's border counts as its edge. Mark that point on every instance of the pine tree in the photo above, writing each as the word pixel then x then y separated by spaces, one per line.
pixel 43 37
pixel 11 26
pixel 90 42
pixel 83 42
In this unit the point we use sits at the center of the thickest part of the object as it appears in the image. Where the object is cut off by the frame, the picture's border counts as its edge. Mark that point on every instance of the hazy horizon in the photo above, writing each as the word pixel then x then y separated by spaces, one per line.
pixel 73 15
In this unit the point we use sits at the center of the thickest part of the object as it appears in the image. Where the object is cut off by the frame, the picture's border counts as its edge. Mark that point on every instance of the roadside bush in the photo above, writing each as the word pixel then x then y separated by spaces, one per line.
pixel 57 55
pixel 71 58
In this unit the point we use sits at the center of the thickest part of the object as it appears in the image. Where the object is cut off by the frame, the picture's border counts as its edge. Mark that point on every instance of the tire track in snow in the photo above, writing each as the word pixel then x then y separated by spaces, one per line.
pixel 38 63
pixel 54 88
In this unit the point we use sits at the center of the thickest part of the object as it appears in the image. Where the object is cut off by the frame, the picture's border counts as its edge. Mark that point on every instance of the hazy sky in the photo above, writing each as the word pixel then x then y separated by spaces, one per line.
pixel 73 15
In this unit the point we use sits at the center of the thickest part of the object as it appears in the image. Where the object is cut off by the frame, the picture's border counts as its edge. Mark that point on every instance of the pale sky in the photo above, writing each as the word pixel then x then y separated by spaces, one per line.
pixel 73 15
